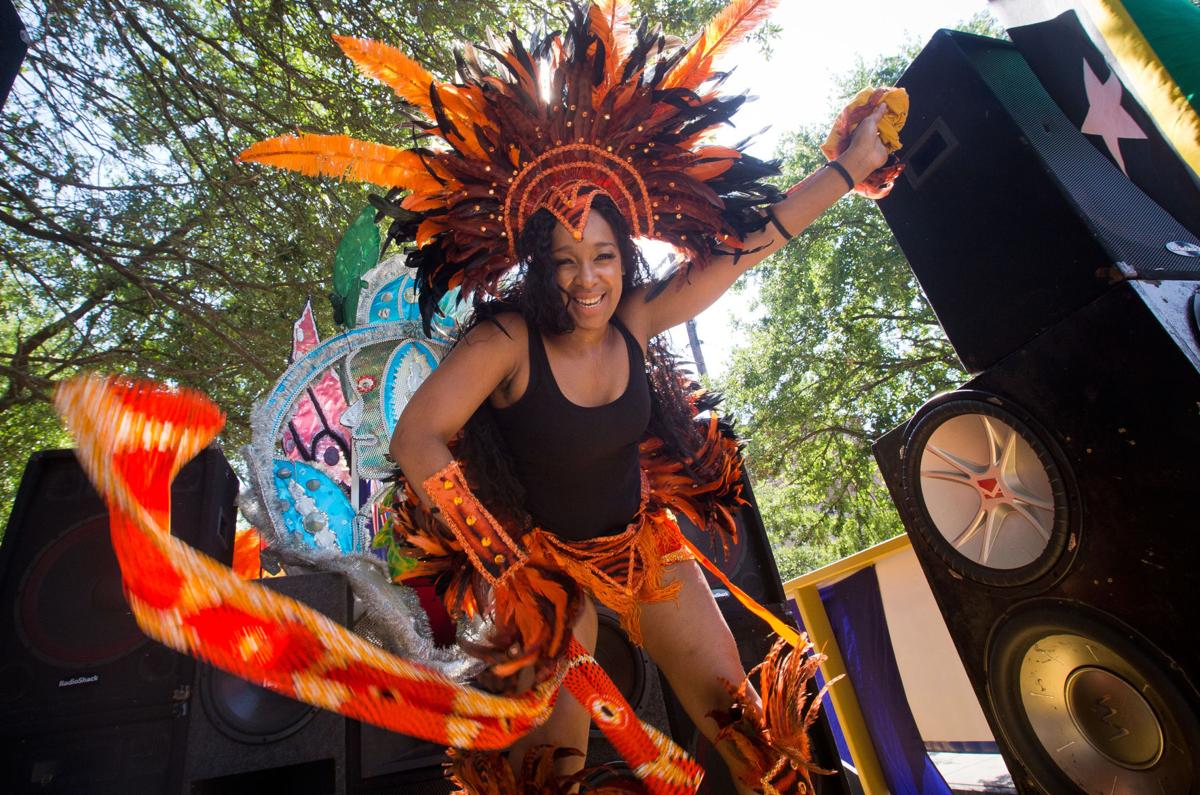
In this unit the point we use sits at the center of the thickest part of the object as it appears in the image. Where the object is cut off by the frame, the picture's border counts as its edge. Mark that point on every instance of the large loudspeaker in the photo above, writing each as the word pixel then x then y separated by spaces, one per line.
pixel 246 739
pixel 1052 505
pixel 749 564
pixel 1010 218
pixel 87 702
pixel 754 639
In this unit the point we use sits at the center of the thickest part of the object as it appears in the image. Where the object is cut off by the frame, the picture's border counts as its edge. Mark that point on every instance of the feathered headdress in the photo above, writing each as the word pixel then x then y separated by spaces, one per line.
pixel 597 110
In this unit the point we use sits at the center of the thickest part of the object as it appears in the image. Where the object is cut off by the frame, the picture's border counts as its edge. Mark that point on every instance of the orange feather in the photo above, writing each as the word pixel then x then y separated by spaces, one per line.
pixel 731 24
pixel 610 18
pixel 345 158
pixel 392 67
pixel 462 106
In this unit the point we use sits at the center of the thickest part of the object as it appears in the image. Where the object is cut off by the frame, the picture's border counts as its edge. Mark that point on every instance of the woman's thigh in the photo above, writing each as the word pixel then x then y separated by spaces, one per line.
pixel 690 642
pixel 569 721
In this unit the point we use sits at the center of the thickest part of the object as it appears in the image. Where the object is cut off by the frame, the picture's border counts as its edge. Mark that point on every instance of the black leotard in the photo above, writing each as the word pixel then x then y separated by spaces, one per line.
pixel 579 465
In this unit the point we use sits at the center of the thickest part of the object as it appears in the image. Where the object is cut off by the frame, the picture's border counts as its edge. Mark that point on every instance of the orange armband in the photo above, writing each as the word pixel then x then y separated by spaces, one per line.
pixel 492 551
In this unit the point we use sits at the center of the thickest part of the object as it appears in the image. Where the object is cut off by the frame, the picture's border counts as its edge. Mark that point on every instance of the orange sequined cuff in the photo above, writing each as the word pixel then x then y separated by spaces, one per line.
pixel 490 549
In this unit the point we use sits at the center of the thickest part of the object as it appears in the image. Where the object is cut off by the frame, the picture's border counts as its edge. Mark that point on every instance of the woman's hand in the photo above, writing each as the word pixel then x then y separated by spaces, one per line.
pixel 866 151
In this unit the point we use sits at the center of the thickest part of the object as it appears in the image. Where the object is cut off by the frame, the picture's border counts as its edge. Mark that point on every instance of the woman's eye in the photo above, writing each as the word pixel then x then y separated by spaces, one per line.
pixel 560 263
pixel 605 255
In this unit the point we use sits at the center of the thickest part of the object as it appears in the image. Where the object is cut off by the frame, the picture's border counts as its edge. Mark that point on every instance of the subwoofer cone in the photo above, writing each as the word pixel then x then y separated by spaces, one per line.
pixel 985 491
pixel 1084 706
pixel 248 713
pixel 69 607
pixel 624 663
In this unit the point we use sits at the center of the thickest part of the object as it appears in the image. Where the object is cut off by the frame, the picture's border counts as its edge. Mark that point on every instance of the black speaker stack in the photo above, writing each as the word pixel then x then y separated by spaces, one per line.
pixel 1052 499
pixel 89 704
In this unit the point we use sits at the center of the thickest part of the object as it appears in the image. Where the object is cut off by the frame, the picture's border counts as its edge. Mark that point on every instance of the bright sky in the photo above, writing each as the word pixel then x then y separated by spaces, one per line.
pixel 794 88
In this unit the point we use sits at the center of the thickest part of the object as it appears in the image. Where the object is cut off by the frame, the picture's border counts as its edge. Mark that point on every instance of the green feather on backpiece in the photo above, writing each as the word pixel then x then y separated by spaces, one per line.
pixel 357 253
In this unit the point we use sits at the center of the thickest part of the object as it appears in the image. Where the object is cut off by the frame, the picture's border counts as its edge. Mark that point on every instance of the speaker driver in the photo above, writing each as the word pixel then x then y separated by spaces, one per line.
pixel 1086 709
pixel 70 609
pixel 248 713
pixel 621 660
pixel 988 494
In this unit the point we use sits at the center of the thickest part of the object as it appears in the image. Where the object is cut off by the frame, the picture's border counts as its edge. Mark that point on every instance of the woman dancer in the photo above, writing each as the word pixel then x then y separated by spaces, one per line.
pixel 565 382
pixel 542 457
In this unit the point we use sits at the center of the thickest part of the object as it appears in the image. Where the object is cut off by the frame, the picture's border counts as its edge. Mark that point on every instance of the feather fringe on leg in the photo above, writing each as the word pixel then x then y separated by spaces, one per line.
pixel 489 773
pixel 772 741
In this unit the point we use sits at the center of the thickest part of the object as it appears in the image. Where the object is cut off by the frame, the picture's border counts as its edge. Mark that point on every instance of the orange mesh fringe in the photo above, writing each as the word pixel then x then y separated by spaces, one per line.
pixel 623 571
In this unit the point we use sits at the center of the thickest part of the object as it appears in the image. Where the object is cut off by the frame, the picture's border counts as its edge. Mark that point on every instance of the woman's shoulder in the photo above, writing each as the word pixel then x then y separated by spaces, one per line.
pixel 501 330
pixel 499 342
pixel 634 321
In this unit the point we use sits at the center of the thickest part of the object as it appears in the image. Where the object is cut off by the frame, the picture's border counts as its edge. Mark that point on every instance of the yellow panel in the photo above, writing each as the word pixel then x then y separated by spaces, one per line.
pixel 827 575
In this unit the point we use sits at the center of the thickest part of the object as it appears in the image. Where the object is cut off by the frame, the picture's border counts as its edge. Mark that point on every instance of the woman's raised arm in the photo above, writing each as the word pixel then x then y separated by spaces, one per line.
pixel 680 296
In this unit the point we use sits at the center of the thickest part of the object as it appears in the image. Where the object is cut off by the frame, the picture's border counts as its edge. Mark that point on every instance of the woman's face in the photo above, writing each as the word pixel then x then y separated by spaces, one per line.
pixel 588 271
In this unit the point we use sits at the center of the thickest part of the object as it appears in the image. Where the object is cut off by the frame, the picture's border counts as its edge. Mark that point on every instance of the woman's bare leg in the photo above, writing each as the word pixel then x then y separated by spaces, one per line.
pixel 568 724
pixel 690 642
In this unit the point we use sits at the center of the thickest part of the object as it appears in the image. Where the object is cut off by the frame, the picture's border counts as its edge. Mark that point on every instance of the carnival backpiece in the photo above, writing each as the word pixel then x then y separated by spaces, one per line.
pixel 316 462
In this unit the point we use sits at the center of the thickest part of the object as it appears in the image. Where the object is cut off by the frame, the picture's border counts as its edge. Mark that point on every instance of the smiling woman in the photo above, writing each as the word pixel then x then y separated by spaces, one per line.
pixel 540 463
pixel 588 270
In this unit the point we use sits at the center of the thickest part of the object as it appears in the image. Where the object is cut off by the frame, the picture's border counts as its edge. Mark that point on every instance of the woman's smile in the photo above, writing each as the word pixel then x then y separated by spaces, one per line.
pixel 588 271
pixel 588 302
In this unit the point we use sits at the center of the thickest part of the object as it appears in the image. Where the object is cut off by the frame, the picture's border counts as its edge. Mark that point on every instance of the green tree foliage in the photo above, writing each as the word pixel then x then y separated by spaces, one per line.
pixel 133 241
pixel 841 348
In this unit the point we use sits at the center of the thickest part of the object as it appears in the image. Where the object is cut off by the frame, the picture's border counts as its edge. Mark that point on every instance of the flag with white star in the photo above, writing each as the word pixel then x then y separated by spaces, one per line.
pixel 1149 128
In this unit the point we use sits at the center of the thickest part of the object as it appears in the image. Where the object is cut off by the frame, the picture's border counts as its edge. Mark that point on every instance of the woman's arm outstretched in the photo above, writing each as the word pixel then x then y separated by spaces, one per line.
pixel 660 306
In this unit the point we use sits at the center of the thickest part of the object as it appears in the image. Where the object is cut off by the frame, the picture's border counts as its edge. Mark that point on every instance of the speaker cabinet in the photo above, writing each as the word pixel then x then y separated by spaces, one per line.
pixel 245 738
pixel 87 702
pixel 749 564
pixel 1051 503
pixel 1010 218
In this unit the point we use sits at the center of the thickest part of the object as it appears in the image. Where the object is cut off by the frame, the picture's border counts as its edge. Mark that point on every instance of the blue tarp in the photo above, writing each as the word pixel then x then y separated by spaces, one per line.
pixel 855 611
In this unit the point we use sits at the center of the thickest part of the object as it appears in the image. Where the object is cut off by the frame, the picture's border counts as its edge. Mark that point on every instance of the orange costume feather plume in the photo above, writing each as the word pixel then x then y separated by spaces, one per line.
pixel 728 27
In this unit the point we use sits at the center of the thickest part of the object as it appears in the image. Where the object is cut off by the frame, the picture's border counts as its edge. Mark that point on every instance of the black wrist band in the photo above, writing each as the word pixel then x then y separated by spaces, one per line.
pixel 839 168
pixel 775 222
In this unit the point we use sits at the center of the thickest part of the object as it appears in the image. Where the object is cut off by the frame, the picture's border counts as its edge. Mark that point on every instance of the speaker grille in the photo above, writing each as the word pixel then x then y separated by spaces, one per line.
pixel 1132 227
pixel 69 607
pixel 70 650
pixel 248 713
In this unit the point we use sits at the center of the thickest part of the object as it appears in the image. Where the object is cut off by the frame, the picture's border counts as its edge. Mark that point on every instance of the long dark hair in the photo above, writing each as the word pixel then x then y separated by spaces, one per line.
pixel 535 295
